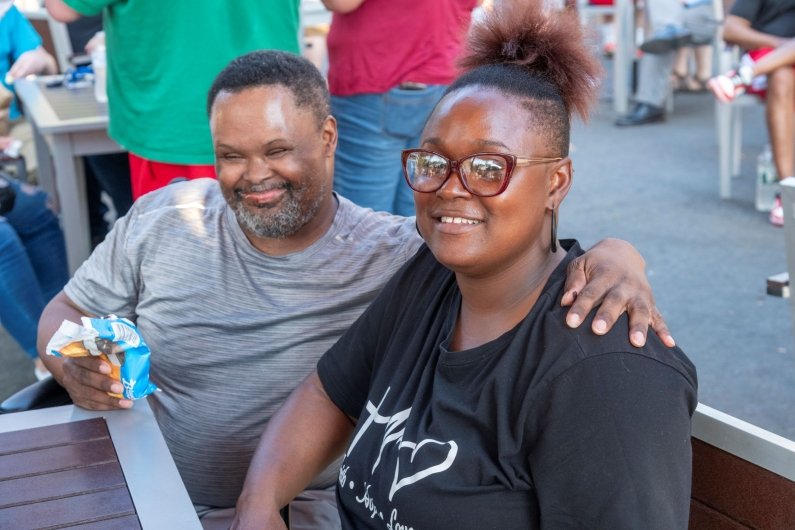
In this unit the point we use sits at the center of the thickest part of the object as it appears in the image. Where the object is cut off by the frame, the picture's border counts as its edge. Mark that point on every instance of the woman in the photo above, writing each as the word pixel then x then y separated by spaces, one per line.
pixel 473 405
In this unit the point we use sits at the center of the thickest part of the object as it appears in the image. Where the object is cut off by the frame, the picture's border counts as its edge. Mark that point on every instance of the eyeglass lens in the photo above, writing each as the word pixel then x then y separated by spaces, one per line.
pixel 484 174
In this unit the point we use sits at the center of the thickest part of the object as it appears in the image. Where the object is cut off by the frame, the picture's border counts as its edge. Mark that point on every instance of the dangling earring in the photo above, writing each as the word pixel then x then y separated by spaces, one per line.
pixel 554 232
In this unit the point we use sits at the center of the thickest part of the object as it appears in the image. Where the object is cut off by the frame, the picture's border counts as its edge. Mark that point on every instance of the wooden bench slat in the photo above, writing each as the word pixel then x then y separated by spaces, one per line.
pixel 702 517
pixel 61 484
pixel 744 492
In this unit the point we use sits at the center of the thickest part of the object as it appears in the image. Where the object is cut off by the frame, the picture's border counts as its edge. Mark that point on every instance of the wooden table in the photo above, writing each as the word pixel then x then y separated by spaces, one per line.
pixel 67 123
pixel 66 466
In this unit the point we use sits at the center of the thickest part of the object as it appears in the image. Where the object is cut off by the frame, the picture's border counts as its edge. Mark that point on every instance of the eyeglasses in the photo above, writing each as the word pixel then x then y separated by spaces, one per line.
pixel 482 174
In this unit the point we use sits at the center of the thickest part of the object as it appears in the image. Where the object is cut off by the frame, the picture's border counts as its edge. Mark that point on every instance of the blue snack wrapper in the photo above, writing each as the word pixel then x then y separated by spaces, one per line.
pixel 117 341
pixel 135 368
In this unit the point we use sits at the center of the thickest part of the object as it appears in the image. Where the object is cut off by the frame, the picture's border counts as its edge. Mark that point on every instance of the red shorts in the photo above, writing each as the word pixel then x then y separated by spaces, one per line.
pixel 755 55
pixel 148 175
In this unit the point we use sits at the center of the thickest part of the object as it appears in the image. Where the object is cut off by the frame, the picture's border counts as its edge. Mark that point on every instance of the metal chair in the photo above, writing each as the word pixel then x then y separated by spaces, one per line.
pixel 624 56
pixel 728 116
pixel 788 202
pixel 729 125
pixel 39 395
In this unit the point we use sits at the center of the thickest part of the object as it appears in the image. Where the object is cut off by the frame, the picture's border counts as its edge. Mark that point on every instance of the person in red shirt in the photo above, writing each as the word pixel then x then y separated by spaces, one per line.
pixel 389 62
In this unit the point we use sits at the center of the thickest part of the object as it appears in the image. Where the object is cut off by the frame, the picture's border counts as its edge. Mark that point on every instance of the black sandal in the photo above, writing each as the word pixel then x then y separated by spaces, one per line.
pixel 679 82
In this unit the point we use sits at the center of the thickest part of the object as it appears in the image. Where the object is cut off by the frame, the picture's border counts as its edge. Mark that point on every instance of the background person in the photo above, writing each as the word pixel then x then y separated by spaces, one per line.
pixel 673 26
pixel 270 269
pixel 760 26
pixel 32 262
pixel 388 66
pixel 162 58
pixel 731 84
pixel 462 398
pixel 21 52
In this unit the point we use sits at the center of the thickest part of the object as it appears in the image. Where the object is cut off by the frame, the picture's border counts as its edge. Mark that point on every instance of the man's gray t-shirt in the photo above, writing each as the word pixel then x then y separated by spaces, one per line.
pixel 232 330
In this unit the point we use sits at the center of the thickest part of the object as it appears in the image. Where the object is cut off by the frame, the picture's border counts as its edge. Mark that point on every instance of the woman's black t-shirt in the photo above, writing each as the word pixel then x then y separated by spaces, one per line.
pixel 543 427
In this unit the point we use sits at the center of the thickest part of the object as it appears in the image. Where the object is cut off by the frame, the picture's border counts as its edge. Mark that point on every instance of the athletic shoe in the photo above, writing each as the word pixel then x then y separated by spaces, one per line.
pixel 668 39
pixel 777 213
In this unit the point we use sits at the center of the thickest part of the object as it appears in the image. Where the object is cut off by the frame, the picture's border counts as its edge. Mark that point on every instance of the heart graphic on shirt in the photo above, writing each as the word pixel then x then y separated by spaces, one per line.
pixel 432 452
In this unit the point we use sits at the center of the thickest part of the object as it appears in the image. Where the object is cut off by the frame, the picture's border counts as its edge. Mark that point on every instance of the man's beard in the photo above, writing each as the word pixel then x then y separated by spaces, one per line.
pixel 280 221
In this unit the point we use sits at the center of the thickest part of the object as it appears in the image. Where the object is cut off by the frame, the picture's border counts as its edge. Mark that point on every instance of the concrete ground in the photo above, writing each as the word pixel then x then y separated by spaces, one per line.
pixel 707 259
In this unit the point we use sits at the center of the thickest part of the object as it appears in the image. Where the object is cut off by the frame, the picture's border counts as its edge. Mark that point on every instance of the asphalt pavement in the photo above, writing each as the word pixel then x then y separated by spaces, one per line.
pixel 707 259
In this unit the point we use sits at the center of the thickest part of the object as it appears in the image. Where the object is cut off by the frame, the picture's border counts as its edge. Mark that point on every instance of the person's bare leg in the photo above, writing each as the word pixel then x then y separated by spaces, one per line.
pixel 780 112
pixel 681 66
pixel 703 62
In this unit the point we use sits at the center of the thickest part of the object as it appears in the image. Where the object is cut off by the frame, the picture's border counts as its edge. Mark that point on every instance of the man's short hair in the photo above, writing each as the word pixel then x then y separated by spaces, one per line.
pixel 274 67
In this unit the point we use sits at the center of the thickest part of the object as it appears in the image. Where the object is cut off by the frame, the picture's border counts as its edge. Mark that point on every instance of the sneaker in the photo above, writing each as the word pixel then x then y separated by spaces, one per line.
pixel 777 213
pixel 668 39
pixel 728 86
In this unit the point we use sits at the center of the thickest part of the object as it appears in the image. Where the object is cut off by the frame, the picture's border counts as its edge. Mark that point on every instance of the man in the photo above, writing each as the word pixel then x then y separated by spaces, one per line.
pixel 240 285
pixel 760 26
pixel 162 57
pixel 674 24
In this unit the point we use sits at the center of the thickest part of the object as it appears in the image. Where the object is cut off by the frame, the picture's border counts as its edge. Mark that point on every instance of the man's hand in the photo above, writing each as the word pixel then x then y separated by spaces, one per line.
pixel 87 379
pixel 88 382
pixel 36 62
pixel 611 275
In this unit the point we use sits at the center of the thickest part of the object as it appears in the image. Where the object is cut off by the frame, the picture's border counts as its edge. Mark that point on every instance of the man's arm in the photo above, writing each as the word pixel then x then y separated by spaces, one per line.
pixel 306 434
pixel 60 11
pixel 342 6
pixel 612 276
pixel 737 30
pixel 86 379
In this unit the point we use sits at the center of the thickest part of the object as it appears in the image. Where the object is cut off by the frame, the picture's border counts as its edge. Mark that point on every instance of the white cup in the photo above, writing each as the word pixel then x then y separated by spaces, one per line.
pixel 99 64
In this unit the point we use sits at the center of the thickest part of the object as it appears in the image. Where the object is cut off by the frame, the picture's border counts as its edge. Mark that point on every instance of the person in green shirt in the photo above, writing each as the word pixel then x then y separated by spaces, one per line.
pixel 161 60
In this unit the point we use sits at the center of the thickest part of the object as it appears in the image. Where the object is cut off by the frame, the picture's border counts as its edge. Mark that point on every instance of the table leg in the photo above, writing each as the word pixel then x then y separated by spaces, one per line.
pixel 71 185
pixel 624 55
pixel 44 170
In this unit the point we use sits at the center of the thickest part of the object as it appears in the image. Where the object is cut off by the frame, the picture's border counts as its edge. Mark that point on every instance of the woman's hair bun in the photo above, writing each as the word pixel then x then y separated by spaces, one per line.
pixel 545 42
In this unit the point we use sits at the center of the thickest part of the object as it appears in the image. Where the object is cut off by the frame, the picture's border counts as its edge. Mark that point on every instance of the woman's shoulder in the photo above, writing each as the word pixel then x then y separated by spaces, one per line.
pixel 615 345
pixel 564 347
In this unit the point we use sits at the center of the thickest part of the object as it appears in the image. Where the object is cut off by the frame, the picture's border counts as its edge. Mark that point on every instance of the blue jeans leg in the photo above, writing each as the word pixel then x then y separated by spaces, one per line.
pixel 40 233
pixel 373 130
pixel 21 302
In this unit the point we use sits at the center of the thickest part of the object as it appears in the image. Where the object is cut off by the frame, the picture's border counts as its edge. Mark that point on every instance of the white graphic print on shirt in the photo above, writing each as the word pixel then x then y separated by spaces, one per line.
pixel 415 460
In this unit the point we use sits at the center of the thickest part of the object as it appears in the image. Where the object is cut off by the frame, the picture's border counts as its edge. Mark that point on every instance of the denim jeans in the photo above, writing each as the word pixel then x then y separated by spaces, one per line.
pixel 373 129
pixel 32 263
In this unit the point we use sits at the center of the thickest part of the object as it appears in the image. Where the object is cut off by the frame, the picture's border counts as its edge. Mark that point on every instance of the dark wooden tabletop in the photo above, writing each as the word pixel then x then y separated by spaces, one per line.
pixel 63 475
